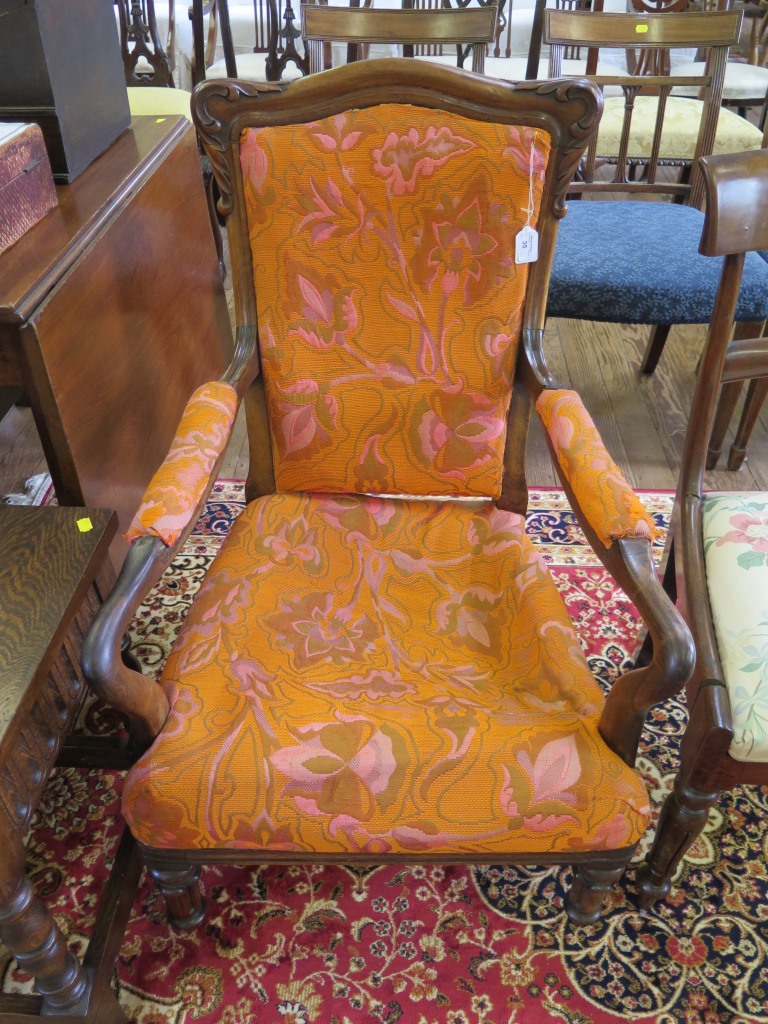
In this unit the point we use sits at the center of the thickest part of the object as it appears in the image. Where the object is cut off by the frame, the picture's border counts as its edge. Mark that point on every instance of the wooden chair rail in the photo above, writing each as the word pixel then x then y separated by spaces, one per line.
pixel 461 25
pixel 689 29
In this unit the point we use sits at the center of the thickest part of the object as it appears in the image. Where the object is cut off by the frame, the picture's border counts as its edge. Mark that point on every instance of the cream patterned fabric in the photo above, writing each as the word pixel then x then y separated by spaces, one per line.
pixel 512 69
pixel 742 81
pixel 682 119
pixel 735 535
pixel 253 68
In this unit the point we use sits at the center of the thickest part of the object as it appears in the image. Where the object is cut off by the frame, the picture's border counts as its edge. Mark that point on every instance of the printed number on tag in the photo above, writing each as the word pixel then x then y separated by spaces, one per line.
pixel 527 245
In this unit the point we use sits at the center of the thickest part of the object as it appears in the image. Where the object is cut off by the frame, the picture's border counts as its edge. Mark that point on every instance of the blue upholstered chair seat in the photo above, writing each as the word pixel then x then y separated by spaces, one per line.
pixel 638 262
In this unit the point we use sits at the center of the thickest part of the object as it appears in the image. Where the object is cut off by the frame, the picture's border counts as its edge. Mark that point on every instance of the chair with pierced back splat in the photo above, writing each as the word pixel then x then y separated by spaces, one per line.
pixel 717 565
pixel 378 666
pixel 146 61
pixel 634 262
pixel 275 55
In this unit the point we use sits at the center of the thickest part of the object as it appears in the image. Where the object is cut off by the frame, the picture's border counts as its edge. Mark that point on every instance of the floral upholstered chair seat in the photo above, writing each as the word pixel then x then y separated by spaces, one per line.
pixel 735 535
pixel 387 675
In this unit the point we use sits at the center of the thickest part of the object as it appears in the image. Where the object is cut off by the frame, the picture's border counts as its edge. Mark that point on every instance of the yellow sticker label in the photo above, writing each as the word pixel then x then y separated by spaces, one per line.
pixel 641 29
pixel 159 120
pixel 84 524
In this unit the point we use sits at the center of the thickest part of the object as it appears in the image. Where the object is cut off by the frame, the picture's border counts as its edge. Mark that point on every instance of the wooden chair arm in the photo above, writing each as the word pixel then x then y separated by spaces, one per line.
pixel 138 698
pixel 630 562
pixel 629 559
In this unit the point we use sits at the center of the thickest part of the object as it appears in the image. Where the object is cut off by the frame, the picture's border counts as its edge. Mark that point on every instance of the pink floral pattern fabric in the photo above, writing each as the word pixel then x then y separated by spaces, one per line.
pixel 612 508
pixel 397 378
pixel 360 675
pixel 735 538
pixel 176 488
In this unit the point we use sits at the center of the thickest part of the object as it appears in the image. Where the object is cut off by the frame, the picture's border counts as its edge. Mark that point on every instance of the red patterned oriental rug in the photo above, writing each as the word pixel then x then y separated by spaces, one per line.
pixel 421 945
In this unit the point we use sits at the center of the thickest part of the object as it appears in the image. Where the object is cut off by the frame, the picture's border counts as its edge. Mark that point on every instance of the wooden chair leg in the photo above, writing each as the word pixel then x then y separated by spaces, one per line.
pixel 682 819
pixel 180 885
pixel 729 396
pixel 753 404
pixel 591 884
pixel 655 347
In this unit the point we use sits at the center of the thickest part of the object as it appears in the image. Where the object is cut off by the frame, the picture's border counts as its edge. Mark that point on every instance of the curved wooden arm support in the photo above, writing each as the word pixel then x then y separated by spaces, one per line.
pixel 132 694
pixel 245 364
pixel 630 563
pixel 532 367
pixel 673 657
pixel 138 698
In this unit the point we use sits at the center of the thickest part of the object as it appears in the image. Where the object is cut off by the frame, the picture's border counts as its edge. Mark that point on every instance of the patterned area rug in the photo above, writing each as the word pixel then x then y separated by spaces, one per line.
pixel 442 945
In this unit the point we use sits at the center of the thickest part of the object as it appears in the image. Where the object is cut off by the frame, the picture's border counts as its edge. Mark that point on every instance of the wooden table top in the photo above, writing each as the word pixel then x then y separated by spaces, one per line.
pixel 34 265
pixel 45 559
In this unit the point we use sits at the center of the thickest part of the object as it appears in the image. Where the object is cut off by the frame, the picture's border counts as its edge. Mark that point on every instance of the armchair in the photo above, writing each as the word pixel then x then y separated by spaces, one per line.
pixel 378 666
pixel 717 562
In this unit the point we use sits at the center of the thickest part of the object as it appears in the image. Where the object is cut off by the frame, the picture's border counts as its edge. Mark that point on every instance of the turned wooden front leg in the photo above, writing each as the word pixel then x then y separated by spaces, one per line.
pixel 682 820
pixel 180 885
pixel 592 881
pixel 34 938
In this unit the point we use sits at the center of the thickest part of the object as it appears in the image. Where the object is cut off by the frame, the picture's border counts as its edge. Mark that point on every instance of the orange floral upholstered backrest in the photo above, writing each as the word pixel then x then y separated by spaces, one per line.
pixel 389 300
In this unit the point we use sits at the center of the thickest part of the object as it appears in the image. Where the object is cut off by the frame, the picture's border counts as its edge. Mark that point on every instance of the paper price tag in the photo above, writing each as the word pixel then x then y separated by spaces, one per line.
pixel 527 245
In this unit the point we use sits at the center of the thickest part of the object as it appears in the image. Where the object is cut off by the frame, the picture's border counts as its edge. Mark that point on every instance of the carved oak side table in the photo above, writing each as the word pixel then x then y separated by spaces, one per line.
pixel 54 574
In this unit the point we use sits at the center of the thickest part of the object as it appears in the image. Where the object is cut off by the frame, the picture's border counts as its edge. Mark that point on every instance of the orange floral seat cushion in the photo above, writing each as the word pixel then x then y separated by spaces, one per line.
pixel 612 508
pixel 364 675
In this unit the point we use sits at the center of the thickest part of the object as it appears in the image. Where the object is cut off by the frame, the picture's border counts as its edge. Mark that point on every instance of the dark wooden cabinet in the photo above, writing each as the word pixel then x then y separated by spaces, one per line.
pixel 112 311
pixel 60 67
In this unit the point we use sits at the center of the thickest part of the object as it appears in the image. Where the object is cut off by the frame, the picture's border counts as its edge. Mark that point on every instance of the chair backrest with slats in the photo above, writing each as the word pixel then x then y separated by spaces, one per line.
pixel 713 32
pixel 436 48
pixel 467 26
pixel 515 20
pixel 275 33
pixel 147 59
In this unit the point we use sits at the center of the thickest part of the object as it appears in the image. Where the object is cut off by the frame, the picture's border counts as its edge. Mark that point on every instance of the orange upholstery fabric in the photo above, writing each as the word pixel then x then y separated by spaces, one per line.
pixel 381 675
pixel 176 488
pixel 399 379
pixel 612 508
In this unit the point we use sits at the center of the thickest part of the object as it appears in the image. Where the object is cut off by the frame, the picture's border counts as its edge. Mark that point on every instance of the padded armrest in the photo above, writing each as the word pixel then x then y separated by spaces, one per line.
pixel 609 504
pixel 177 487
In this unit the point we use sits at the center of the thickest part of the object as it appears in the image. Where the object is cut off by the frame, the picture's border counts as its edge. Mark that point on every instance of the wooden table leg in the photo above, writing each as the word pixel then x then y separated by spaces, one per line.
pixel 34 938
pixel 68 989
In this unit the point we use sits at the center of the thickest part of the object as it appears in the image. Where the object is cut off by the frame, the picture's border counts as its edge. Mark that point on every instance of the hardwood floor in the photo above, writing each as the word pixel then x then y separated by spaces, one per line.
pixel 642 421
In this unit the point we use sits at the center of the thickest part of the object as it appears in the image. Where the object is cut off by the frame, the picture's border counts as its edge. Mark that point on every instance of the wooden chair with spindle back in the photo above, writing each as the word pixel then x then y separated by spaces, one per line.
pixel 718 565
pixel 637 262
